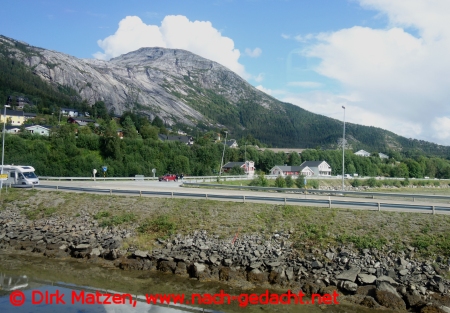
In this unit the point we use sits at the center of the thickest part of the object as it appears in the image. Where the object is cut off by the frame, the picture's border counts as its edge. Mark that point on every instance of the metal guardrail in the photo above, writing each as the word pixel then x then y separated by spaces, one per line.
pixel 325 192
pixel 267 199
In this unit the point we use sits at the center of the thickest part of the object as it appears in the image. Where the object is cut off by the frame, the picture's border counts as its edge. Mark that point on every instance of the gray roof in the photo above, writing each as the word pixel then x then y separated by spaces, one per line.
pixel 312 163
pixel 288 168
pixel 233 164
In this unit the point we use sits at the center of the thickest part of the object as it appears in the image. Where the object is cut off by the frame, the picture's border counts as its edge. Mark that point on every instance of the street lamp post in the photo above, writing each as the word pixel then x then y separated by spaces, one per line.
pixel 343 150
pixel 3 143
pixel 223 154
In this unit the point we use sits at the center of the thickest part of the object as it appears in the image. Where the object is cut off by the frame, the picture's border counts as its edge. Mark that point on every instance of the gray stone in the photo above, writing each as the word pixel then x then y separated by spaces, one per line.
pixel 141 254
pixel 385 286
pixel 316 264
pixel 350 274
pixel 366 278
pixel 403 272
pixel 387 279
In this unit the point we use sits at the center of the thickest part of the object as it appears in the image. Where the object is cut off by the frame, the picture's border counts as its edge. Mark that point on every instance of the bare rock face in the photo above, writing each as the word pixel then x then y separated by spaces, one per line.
pixel 170 83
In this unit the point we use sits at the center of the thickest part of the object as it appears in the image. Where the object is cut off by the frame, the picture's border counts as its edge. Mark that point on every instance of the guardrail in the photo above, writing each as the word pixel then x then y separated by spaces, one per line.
pixel 378 206
pixel 142 177
pixel 326 192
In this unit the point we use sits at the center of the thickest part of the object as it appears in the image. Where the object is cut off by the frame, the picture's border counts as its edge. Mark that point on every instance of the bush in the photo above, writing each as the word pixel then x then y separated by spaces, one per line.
pixel 260 180
pixel 300 181
pixel 371 182
pixel 280 182
pixel 356 183
pixel 289 181
pixel 405 182
pixel 314 183
pixel 436 183
pixel 397 184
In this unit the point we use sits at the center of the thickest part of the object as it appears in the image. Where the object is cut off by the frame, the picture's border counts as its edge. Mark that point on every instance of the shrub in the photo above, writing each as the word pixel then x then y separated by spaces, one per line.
pixel 436 183
pixel 289 181
pixel 397 184
pixel 371 182
pixel 280 182
pixel 356 183
pixel 260 180
pixel 300 181
pixel 405 182
pixel 314 183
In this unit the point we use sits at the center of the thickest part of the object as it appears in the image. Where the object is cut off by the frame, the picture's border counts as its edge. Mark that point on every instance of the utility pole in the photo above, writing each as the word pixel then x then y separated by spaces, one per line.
pixel 223 154
pixel 343 150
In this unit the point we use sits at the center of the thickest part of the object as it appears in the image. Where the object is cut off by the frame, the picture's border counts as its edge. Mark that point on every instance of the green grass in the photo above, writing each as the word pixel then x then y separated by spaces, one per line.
pixel 310 227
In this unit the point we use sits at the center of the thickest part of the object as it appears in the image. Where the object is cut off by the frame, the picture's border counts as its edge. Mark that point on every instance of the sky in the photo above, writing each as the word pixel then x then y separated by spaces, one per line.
pixel 386 61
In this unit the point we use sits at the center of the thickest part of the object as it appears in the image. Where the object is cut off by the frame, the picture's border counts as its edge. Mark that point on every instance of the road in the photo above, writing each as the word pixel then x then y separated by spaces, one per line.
pixel 174 189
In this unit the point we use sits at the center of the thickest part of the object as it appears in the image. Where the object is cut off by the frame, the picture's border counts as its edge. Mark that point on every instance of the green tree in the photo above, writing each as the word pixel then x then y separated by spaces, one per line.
pixel 180 165
pixel 280 182
pixel 100 110
pixel 300 181
pixel 149 132
pixel 289 181
pixel 129 130
pixel 294 159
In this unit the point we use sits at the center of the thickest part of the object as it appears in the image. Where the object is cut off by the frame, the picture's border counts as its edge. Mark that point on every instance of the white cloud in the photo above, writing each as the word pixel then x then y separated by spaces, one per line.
pixel 441 126
pixel 271 92
pixel 401 80
pixel 177 32
pixel 305 84
pixel 253 53
pixel 259 78
pixel 285 36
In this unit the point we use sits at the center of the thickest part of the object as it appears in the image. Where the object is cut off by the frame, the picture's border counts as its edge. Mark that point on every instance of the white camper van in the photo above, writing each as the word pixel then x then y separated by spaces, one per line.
pixel 20 175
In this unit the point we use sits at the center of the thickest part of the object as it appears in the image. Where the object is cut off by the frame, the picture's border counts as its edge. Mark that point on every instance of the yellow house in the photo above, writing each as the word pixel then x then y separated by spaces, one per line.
pixel 15 117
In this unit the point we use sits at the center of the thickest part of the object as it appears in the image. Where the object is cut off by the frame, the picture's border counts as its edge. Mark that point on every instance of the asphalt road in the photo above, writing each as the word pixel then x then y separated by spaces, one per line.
pixel 263 197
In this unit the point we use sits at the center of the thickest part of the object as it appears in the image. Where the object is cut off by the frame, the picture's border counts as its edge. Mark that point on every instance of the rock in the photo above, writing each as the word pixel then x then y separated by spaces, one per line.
pixel 367 290
pixel 350 274
pixel 316 264
pixel 140 254
pixel 348 285
pixel 390 300
pixel 257 277
pixel 384 286
pixel 366 278
pixel 387 279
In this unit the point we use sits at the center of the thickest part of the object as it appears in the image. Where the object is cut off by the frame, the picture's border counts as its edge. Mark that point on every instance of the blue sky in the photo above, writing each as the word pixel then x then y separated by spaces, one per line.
pixel 386 61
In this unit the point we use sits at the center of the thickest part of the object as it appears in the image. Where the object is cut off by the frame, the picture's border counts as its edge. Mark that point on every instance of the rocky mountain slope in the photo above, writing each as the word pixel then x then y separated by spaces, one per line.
pixel 185 89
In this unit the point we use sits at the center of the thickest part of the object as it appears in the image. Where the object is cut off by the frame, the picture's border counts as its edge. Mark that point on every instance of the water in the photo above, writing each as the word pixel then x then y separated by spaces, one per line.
pixel 36 275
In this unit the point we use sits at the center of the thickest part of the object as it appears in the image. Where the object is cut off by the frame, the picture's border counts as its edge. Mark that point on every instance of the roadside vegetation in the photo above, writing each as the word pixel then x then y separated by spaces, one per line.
pixel 310 227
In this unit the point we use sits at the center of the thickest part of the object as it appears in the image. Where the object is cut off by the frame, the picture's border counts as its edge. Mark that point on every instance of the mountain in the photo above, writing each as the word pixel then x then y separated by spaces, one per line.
pixel 185 89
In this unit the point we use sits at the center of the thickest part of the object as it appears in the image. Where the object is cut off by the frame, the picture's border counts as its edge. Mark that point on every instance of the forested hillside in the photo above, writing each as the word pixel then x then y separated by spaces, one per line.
pixel 73 151
pixel 193 87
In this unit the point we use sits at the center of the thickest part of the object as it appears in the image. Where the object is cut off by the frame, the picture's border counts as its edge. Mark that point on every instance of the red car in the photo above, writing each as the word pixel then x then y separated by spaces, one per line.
pixel 169 177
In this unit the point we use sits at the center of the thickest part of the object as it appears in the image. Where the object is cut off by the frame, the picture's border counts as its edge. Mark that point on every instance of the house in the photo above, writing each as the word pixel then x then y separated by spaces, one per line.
pixel 286 170
pixel 15 117
pixel 9 129
pixel 69 112
pixel 81 121
pixel 383 156
pixel 38 129
pixel 28 116
pixel 362 153
pixel 188 140
pixel 248 166
pixel 320 168
pixel 231 143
